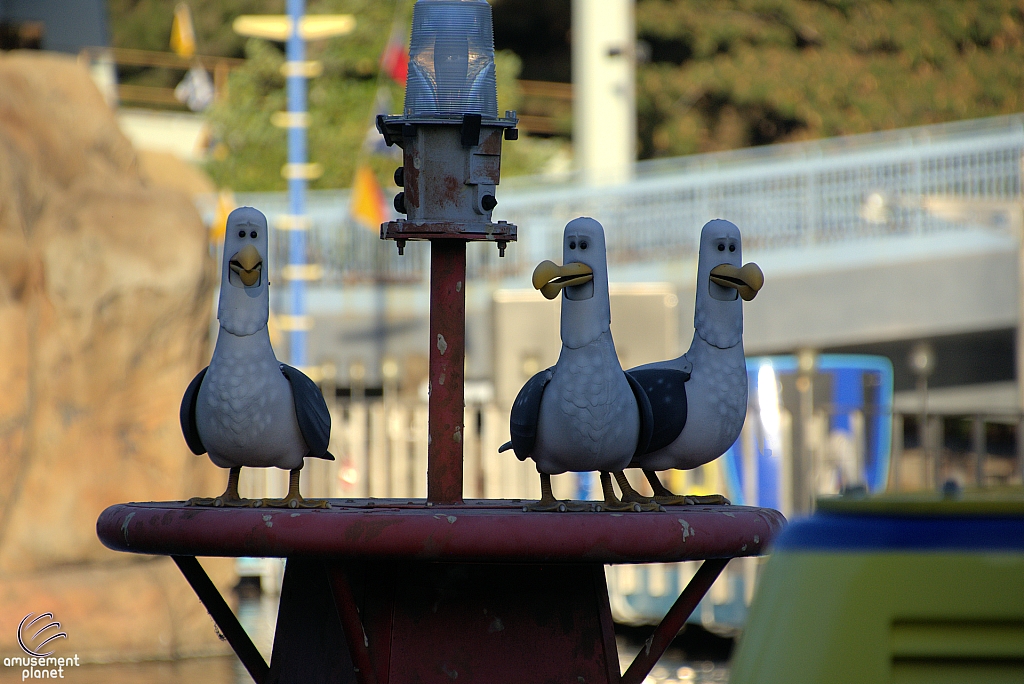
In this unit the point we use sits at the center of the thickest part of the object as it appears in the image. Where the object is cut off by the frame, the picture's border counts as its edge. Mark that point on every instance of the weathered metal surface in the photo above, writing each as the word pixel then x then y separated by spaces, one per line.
pixel 309 640
pixel 674 620
pixel 379 622
pixel 393 127
pixel 487 624
pixel 447 367
pixel 229 626
pixel 355 634
pixel 451 230
pixel 449 168
pixel 453 533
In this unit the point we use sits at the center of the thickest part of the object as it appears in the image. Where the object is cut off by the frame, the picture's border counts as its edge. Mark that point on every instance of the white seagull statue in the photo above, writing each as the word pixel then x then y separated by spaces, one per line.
pixel 583 413
pixel 699 400
pixel 246 408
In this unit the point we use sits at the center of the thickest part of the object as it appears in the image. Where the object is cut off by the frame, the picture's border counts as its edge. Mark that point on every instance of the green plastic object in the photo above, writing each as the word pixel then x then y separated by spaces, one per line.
pixel 892 589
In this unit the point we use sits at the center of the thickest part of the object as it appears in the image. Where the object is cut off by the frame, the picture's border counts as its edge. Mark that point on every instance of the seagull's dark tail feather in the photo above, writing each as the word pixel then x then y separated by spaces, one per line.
pixel 187 414
pixel 504 447
pixel 526 413
pixel 310 411
pixel 666 393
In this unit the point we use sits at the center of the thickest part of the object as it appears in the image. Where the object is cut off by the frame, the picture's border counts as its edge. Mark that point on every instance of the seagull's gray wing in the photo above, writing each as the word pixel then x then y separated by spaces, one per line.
pixel 643 404
pixel 526 413
pixel 666 390
pixel 187 414
pixel 311 412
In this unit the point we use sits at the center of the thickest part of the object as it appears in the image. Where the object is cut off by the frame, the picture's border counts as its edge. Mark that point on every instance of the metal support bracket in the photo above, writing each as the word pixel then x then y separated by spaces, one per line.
pixel 355 633
pixel 674 620
pixel 226 621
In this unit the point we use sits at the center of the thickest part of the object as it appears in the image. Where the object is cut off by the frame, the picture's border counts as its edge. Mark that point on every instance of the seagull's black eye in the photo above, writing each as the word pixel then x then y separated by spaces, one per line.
pixel 572 244
pixel 241 233
pixel 732 248
pixel 721 248
pixel 253 234
pixel 583 244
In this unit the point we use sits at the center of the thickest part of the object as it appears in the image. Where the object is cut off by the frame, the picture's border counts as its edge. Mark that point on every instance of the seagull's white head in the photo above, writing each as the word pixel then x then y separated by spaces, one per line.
pixel 244 298
pixel 721 283
pixel 583 280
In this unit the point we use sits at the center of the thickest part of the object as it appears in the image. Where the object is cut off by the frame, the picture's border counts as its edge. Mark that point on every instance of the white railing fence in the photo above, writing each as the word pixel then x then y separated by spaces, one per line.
pixel 381 451
pixel 891 183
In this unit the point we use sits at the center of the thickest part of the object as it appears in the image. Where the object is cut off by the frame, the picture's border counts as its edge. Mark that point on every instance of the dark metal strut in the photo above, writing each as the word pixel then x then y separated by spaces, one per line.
pixel 226 621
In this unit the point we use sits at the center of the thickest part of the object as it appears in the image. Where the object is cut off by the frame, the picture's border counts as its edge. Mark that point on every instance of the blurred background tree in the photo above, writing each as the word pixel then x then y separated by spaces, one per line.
pixel 712 74
pixel 732 73
pixel 247 150
pixel 146 24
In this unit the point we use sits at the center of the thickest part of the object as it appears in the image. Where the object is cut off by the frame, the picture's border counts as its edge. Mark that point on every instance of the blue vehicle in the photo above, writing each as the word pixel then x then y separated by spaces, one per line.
pixel 807 434
pixel 848 436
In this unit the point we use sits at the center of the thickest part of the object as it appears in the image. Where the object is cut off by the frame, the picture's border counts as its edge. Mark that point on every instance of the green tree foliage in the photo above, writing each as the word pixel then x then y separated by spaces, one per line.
pixel 342 103
pixel 248 150
pixel 731 73
pixel 146 24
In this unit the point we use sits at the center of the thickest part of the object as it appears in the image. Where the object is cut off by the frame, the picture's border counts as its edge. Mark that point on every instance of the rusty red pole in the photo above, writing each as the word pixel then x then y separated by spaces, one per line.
pixel 447 368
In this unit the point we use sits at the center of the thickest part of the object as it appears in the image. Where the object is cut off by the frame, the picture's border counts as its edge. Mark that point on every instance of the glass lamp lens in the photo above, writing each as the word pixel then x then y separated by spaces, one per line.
pixel 451 60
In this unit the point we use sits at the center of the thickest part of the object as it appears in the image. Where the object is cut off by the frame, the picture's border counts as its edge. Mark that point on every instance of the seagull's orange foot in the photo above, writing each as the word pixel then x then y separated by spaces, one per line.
pixel 643 503
pixel 230 497
pixel 693 500
pixel 619 506
pixel 631 501
pixel 548 502
pixel 221 501
pixel 637 501
pixel 294 502
pixel 293 499
pixel 554 505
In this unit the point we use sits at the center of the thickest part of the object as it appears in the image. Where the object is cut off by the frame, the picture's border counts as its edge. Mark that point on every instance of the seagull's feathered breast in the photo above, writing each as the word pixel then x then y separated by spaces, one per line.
pixel 245 409
pixel 588 418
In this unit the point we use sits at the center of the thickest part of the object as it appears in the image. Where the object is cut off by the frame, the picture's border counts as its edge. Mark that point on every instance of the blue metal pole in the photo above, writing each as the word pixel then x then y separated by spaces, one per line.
pixel 296 54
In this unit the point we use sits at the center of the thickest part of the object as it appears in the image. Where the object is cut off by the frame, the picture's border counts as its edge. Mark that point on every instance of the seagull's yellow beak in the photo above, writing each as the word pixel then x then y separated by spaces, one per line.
pixel 248 264
pixel 550 278
pixel 747 280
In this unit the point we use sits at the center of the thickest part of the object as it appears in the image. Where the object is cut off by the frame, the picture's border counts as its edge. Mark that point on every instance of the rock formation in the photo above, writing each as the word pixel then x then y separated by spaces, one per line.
pixel 105 301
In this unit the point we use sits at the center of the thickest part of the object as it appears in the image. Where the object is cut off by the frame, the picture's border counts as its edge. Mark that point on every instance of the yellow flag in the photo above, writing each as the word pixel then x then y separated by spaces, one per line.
pixel 368 207
pixel 183 38
pixel 225 205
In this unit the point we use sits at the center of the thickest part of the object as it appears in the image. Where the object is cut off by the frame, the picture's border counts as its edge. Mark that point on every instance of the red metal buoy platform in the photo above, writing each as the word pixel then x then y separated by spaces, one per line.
pixel 396 591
